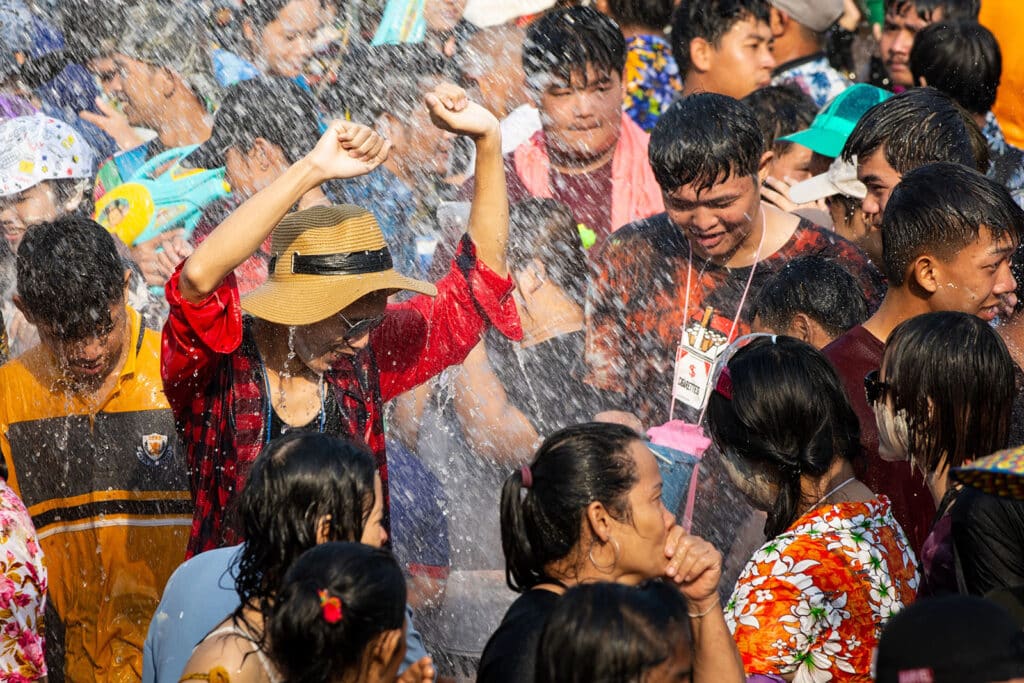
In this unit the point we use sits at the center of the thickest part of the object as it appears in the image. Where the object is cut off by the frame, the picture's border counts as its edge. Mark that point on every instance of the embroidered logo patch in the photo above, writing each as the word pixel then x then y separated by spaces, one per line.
pixel 153 449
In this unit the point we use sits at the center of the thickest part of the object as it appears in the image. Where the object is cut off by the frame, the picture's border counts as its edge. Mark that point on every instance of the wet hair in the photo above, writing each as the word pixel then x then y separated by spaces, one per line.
pixel 370 588
pixel 69 275
pixel 262 12
pixel 923 216
pixel 819 288
pixel 654 14
pixel 781 110
pixel 917 127
pixel 573 468
pixel 565 41
pixel 611 632
pixel 925 9
pixel 789 413
pixel 710 20
pixel 298 479
pixel 544 229
pixel 704 139
pixel 952 375
pixel 962 59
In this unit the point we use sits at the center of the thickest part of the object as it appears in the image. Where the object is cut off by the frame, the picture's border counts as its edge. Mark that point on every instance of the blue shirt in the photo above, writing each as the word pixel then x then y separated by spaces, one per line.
pixel 815 76
pixel 199 595
pixel 1007 161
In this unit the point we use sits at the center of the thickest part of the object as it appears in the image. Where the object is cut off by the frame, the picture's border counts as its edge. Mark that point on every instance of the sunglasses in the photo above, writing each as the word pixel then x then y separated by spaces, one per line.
pixel 874 388
pixel 360 328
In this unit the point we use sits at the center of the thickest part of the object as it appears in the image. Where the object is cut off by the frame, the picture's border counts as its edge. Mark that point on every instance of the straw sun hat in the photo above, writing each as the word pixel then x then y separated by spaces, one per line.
pixel 323 259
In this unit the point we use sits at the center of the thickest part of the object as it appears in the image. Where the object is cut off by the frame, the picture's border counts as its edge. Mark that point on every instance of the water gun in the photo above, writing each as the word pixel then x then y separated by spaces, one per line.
pixel 161 195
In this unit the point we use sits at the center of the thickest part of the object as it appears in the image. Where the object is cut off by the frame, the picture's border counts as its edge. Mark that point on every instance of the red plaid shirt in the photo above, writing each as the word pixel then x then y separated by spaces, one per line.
pixel 213 376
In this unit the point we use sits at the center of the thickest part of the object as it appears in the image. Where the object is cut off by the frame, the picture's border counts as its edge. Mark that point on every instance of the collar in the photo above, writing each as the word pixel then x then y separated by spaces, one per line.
pixel 800 61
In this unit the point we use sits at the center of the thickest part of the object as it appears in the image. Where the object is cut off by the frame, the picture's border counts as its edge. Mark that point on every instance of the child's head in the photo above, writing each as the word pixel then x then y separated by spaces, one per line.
pixel 784 110
pixel 341 609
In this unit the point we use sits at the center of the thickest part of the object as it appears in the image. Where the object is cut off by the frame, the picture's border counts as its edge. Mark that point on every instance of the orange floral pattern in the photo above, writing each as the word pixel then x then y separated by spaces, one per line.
pixel 812 601
pixel 22 593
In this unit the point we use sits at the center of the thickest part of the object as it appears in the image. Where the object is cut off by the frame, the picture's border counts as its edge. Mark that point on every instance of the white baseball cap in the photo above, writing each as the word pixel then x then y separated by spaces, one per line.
pixel 37 148
pixel 841 178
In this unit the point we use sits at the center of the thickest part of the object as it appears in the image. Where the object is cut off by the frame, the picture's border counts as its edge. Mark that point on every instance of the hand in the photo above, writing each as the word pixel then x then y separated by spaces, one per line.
pixel 113 123
pixel 421 671
pixel 775 191
pixel 157 258
pixel 852 16
pixel 347 150
pixel 451 110
pixel 695 566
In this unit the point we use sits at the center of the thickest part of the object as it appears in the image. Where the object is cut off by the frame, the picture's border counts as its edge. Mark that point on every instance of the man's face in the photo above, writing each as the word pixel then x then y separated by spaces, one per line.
pixel 286 43
pixel 717 220
pixel 496 72
pixel 443 15
pixel 131 83
pixel 37 204
pixel 90 360
pixel 902 23
pixel 879 178
pixel 582 117
pixel 324 343
pixel 974 280
pixel 423 148
pixel 742 61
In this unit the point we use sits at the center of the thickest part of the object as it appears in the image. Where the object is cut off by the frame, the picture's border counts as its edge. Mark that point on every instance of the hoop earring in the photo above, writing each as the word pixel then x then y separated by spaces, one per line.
pixel 615 558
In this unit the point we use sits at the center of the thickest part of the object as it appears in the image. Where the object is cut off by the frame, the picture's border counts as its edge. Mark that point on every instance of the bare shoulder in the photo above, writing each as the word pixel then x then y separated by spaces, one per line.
pixel 225 657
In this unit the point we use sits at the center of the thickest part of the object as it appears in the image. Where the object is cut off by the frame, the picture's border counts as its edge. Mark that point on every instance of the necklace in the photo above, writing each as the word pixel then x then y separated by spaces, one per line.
pixel 832 492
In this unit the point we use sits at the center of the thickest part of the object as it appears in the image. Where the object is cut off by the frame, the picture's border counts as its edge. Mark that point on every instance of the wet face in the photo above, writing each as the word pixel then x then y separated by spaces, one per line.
pixel 36 205
pixel 642 537
pixel 902 24
pixel 716 220
pixel 880 179
pixel 975 278
pixel 496 69
pixel 742 61
pixel 677 668
pixel 134 85
pixel 443 15
pixel 419 146
pixel 286 44
pixel 374 533
pixel 90 360
pixel 320 345
pixel 581 117
pixel 794 163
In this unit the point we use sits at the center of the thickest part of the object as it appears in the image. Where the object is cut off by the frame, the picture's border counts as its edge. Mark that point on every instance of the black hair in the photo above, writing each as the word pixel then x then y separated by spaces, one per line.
pixel 940 209
pixel 962 59
pixel 611 632
pixel 789 414
pixel 574 467
pixel 925 9
pixel 370 592
pixel 781 110
pixel 710 20
pixel 953 377
pixel 705 139
pixel 564 41
pixel 297 480
pixel 262 12
pixel 917 127
pixel 819 288
pixel 69 275
pixel 544 229
pixel 653 14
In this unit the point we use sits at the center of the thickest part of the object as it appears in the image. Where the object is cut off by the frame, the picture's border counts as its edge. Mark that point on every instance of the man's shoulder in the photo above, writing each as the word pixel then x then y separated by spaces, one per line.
pixel 652 229
pixel 854 350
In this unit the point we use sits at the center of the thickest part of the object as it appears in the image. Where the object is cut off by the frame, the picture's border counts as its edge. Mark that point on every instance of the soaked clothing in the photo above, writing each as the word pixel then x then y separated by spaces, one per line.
pixel 213 377
pixel 511 653
pixel 854 355
pixel 815 76
pixel 652 79
pixel 815 598
pixel 635 304
pixel 988 534
pixel 22 592
pixel 108 493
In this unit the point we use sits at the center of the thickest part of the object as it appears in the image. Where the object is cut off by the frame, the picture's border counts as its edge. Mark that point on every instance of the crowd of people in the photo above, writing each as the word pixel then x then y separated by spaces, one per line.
pixel 511 340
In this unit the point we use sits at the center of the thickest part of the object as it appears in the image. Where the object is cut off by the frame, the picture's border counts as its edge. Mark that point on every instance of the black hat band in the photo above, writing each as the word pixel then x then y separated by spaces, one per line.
pixel 354 263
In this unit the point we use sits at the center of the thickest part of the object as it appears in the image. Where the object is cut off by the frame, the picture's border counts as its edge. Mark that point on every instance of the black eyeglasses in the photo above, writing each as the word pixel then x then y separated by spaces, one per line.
pixel 362 327
pixel 874 388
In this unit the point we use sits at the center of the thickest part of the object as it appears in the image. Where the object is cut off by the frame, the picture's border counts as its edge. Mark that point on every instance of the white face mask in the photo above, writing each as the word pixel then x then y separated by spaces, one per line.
pixel 893 433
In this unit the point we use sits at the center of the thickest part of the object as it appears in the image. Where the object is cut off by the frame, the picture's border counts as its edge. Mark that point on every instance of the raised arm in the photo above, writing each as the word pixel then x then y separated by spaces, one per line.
pixel 488 217
pixel 346 150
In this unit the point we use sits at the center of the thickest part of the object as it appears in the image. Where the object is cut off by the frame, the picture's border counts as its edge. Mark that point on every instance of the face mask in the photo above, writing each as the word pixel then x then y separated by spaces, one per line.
pixel 893 433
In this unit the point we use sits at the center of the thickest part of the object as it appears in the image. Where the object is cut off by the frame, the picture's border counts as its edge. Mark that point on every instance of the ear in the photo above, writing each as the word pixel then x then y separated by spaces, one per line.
pixel 801 327
pixel 599 521
pixel 702 54
pixel 385 647
pixel 777 21
pixel 924 272
pixel 323 529
pixel 764 166
pixel 165 82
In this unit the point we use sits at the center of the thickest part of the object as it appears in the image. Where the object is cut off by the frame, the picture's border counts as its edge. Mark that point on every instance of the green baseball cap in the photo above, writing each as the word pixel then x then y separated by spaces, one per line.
pixel 832 126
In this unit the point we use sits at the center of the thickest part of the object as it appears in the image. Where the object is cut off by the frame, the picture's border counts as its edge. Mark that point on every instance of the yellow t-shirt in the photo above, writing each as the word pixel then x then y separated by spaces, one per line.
pixel 1005 19
pixel 108 493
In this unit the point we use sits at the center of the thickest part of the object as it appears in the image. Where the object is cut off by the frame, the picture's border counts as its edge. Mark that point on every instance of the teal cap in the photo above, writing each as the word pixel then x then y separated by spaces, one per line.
pixel 834 124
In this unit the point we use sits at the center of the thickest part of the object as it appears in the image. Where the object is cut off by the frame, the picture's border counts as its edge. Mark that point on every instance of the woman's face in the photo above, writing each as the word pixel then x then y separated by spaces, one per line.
pixel 374 533
pixel 642 538
pixel 893 429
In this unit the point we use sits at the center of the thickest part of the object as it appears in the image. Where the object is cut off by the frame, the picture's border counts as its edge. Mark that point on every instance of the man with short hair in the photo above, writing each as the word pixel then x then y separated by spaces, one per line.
pixel 904 19
pixel 723 46
pixel 90 446
pixel 942 251
pixel 697 267
pixel 798 29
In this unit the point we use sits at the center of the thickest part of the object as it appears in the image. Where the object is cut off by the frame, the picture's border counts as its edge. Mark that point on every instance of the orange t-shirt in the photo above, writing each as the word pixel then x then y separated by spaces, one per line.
pixel 1004 18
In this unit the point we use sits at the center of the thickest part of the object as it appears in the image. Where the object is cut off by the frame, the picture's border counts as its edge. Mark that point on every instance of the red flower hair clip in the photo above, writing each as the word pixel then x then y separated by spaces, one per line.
pixel 330 605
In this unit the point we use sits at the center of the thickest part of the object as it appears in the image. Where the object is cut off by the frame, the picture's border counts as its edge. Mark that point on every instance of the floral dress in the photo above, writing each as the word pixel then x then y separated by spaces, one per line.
pixel 22 593
pixel 813 601
pixel 652 79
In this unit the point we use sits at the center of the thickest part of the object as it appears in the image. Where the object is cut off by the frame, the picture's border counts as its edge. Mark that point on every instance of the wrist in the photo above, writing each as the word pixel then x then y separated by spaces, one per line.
pixel 308 174
pixel 698 609
pixel 490 137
